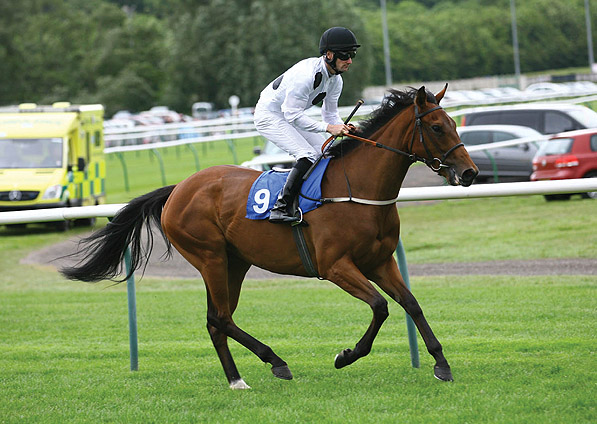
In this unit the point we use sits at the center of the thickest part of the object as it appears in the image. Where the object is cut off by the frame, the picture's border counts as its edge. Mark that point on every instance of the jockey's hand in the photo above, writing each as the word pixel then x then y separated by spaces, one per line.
pixel 338 129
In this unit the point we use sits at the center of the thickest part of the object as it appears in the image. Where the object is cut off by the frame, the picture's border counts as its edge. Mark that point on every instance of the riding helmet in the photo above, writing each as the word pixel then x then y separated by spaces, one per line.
pixel 338 39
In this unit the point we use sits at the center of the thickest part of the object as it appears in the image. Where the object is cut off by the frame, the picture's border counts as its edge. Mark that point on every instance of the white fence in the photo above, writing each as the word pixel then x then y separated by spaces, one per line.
pixel 406 194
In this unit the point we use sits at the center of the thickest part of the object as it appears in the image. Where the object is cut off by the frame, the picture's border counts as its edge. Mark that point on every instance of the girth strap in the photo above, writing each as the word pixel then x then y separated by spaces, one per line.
pixel 303 250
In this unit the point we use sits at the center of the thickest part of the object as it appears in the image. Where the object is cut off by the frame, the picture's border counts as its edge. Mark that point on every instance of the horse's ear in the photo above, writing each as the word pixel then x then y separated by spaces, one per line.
pixel 439 96
pixel 421 98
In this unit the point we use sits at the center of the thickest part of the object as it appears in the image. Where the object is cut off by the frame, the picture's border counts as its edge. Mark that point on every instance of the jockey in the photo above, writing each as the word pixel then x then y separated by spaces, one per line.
pixel 280 112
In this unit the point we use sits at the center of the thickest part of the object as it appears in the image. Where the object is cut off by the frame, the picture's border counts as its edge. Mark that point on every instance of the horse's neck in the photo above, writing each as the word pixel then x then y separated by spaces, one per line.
pixel 375 173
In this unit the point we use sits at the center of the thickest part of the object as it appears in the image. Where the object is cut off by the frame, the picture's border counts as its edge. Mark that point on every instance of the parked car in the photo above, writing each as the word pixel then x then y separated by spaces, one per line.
pixel 512 161
pixel 581 87
pixel 203 110
pixel 271 156
pixel 547 89
pixel 565 156
pixel 454 98
pixel 545 118
pixel 504 94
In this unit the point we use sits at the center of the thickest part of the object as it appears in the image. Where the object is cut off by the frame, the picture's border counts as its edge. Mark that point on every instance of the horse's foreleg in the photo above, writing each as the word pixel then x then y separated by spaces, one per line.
pixel 390 281
pixel 347 276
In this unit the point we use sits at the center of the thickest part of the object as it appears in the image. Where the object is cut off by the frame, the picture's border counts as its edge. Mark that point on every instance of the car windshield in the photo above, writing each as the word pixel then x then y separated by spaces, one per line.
pixel 31 153
pixel 556 146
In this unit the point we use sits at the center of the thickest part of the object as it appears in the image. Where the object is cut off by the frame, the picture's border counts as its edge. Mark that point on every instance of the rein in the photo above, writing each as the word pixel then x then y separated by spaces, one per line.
pixel 412 156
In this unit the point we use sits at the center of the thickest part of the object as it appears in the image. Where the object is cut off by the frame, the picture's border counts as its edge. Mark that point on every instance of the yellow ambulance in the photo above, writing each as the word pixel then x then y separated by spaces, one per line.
pixel 51 156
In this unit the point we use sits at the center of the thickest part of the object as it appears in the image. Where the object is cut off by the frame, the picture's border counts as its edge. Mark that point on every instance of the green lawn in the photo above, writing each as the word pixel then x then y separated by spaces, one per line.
pixel 144 171
pixel 522 349
pixel 525 227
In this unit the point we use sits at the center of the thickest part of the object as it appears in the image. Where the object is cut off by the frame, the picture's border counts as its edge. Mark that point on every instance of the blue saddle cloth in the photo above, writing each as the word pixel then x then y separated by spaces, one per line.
pixel 267 186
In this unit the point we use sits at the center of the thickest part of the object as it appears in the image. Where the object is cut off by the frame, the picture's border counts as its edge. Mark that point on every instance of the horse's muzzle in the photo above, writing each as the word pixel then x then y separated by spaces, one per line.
pixel 468 177
pixel 465 179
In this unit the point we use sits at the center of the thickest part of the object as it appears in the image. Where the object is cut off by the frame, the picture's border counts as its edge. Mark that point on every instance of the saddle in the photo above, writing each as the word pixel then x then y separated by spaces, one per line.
pixel 265 190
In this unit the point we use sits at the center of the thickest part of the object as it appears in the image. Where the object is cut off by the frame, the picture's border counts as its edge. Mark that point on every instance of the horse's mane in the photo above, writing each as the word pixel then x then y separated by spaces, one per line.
pixel 392 104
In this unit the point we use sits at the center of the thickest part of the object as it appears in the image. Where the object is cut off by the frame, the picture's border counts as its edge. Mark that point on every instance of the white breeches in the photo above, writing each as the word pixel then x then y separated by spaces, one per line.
pixel 298 143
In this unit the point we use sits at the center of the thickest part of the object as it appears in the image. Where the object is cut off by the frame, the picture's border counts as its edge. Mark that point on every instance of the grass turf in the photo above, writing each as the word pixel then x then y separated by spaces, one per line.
pixel 522 350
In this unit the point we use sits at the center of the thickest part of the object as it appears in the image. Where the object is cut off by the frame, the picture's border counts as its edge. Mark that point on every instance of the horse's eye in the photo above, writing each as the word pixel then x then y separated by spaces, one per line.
pixel 437 128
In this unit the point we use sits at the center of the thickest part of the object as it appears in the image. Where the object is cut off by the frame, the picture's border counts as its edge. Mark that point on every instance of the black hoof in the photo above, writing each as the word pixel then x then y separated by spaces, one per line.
pixel 282 372
pixel 443 373
pixel 342 359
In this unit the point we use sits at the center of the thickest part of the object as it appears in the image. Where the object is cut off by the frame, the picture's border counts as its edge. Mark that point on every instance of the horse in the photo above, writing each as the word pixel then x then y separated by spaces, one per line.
pixel 351 243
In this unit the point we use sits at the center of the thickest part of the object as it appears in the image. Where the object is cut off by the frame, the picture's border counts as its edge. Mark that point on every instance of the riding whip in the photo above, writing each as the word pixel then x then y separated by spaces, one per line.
pixel 331 139
pixel 346 121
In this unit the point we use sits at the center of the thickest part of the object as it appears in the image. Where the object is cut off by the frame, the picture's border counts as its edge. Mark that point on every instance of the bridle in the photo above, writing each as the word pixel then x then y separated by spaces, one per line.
pixel 434 163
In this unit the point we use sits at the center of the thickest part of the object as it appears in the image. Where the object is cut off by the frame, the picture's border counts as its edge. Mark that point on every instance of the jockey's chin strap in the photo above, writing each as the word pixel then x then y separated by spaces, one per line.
pixel 436 164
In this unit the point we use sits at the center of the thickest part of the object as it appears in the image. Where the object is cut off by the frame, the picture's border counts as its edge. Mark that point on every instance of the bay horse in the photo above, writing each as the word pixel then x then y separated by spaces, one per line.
pixel 351 244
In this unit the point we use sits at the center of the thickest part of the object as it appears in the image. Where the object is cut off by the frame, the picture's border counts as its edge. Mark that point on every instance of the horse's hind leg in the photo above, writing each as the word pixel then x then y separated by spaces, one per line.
pixel 390 281
pixel 237 270
pixel 213 266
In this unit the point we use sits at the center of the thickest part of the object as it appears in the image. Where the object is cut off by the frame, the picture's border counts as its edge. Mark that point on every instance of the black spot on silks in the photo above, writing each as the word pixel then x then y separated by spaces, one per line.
pixel 317 81
pixel 318 98
pixel 277 82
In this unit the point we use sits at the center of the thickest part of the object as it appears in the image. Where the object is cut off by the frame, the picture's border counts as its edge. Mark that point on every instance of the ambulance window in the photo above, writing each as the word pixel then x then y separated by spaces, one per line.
pixel 96 139
pixel 88 139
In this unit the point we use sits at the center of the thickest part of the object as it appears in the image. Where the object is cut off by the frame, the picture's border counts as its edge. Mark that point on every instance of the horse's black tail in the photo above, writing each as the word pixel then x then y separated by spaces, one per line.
pixel 105 249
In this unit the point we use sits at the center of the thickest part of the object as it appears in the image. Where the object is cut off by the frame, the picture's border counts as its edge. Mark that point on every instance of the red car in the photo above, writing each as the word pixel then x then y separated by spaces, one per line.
pixel 567 155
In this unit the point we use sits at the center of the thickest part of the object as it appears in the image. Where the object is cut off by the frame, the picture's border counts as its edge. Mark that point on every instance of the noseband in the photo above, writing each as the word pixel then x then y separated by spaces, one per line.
pixel 434 163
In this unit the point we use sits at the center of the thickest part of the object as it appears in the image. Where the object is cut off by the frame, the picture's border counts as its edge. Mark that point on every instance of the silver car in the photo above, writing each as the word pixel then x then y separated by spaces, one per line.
pixel 271 156
pixel 512 161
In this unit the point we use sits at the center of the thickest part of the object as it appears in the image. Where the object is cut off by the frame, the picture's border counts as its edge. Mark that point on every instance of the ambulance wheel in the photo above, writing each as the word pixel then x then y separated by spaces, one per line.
pixel 85 222
pixel 555 197
pixel 62 226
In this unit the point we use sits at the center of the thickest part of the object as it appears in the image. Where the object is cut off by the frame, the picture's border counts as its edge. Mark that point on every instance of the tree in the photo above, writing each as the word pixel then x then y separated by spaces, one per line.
pixel 176 52
pixel 124 91
pixel 239 46
pixel 551 35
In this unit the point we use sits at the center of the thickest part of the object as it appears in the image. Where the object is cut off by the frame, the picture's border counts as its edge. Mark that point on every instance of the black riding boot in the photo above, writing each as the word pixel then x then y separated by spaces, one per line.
pixel 284 210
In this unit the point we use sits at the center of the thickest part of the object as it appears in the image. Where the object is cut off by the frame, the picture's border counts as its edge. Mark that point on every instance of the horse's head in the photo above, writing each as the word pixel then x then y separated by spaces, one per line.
pixel 435 139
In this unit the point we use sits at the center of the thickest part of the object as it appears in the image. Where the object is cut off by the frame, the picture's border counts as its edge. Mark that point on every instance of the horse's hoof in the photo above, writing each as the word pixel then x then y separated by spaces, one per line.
pixel 443 373
pixel 282 372
pixel 239 385
pixel 341 359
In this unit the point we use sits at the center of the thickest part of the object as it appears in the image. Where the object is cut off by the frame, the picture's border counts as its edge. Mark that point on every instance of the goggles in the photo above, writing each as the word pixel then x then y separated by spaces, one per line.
pixel 346 55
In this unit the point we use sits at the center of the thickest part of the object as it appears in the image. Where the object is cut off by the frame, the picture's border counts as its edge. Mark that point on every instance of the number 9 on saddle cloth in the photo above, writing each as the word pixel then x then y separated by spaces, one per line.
pixel 265 189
